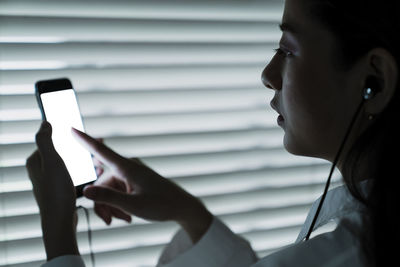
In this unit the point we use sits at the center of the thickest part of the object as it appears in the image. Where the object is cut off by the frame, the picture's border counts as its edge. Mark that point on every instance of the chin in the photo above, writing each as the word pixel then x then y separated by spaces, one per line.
pixel 291 147
pixel 298 148
pixel 294 150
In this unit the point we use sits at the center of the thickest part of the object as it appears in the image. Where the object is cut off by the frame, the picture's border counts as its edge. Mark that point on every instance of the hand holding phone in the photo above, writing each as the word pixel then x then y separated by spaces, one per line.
pixel 55 195
pixel 59 106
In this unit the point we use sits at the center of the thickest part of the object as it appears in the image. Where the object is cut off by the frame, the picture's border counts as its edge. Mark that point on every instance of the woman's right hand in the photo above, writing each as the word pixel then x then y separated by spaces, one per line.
pixel 134 188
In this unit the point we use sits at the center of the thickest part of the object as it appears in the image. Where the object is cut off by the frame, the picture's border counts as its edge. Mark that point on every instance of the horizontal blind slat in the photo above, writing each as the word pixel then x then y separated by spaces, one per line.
pixel 20 203
pixel 94 55
pixel 200 10
pixel 128 125
pixel 152 102
pixel 123 30
pixel 240 222
pixel 203 163
pixel 16 177
pixel 143 78
pixel 171 145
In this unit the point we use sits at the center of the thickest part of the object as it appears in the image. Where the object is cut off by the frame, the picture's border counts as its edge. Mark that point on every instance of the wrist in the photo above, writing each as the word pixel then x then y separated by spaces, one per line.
pixel 59 237
pixel 57 245
pixel 196 222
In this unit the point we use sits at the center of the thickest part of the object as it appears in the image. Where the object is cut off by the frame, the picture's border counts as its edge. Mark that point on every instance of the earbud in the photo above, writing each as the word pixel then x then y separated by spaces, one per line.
pixel 368 93
pixel 371 88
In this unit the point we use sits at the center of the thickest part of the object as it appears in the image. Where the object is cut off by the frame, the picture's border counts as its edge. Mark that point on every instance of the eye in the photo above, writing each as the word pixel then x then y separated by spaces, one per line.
pixel 281 52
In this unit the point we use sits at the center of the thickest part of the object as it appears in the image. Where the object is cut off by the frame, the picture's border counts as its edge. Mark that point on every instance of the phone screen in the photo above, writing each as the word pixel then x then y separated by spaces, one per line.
pixel 62 111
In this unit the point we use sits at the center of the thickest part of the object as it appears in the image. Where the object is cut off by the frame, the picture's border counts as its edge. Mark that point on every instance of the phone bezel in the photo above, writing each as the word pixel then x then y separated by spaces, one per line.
pixel 46 86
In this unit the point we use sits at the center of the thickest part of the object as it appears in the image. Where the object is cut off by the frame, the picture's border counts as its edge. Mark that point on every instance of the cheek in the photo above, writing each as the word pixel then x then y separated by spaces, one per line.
pixel 301 127
pixel 308 112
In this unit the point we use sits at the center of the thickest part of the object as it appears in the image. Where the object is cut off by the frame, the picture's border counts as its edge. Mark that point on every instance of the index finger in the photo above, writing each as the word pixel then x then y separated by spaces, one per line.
pixel 99 150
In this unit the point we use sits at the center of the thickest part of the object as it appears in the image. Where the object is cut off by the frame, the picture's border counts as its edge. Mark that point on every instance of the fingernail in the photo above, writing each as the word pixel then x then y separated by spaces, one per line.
pixel 74 130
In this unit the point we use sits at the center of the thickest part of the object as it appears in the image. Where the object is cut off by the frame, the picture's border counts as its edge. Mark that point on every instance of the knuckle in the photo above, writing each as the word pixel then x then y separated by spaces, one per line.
pixel 32 159
pixel 98 146
pixel 101 193
pixel 40 138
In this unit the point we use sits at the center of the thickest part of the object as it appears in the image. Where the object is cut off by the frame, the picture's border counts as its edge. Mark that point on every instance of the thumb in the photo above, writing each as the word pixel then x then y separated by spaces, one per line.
pixel 43 140
pixel 107 196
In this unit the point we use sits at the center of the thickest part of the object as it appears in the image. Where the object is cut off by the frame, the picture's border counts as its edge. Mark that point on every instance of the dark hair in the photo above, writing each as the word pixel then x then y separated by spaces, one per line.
pixel 361 25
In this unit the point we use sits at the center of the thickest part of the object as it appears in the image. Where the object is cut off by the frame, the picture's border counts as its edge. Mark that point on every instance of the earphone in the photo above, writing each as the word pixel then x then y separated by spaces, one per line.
pixel 369 93
pixel 370 90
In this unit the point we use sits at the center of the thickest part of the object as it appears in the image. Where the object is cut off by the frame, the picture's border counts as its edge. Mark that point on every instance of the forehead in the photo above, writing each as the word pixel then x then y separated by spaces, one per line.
pixel 297 20
pixel 294 14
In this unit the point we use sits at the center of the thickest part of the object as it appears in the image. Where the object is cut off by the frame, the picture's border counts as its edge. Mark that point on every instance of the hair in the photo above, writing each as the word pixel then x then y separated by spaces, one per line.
pixel 360 26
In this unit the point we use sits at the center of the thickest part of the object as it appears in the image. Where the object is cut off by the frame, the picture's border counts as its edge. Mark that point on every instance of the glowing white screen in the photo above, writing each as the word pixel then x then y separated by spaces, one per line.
pixel 62 111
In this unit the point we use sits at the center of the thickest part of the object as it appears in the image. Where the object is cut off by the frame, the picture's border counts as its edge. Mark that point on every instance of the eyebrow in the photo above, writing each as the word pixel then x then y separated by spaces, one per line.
pixel 287 27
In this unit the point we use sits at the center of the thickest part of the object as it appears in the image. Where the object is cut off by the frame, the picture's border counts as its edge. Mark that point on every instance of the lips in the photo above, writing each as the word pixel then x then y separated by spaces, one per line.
pixel 273 106
pixel 280 118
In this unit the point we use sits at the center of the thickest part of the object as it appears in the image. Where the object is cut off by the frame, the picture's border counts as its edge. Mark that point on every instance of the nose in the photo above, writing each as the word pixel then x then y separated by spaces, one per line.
pixel 265 81
pixel 271 76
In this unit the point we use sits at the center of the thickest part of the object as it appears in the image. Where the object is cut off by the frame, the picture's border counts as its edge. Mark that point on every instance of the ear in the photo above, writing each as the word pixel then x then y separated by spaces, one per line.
pixel 382 68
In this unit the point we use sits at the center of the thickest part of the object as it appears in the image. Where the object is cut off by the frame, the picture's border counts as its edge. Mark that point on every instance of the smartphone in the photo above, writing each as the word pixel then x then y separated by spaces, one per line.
pixel 58 104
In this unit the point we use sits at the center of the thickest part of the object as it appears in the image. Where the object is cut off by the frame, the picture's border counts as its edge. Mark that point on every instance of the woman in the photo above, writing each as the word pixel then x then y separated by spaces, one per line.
pixel 331 54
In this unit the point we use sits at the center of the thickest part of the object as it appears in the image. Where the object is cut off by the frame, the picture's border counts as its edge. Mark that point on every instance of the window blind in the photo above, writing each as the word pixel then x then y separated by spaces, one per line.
pixel 176 83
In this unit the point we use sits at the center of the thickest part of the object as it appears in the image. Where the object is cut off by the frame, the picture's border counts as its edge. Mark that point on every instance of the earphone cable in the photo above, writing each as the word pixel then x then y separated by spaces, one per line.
pixel 89 234
pixel 332 169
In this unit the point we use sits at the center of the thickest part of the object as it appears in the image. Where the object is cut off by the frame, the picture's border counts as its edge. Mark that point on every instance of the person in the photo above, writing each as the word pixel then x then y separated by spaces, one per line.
pixel 330 52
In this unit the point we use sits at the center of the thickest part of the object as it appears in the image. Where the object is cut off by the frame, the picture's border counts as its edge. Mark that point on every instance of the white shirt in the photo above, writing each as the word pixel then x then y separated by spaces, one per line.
pixel 220 247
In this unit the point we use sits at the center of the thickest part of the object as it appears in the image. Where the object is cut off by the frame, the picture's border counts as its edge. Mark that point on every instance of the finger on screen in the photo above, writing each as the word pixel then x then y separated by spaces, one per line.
pixel 99 150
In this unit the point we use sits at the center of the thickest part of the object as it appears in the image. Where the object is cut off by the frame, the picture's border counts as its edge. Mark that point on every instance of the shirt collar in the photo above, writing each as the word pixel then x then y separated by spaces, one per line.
pixel 338 204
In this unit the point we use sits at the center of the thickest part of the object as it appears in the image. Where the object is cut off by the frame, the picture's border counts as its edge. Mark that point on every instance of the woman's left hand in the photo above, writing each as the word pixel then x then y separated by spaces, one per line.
pixel 55 195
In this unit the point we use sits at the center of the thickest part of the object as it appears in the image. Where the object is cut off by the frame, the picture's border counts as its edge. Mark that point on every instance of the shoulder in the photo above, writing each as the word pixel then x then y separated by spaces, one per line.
pixel 340 247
